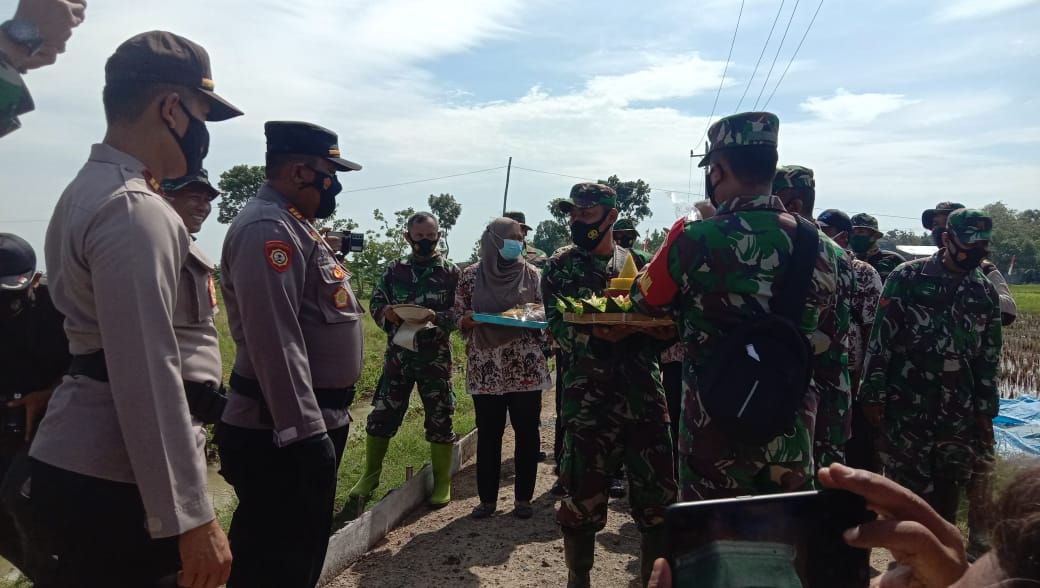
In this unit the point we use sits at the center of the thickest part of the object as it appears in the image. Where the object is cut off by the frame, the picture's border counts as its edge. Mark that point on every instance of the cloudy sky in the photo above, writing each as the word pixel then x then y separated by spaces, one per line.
pixel 896 105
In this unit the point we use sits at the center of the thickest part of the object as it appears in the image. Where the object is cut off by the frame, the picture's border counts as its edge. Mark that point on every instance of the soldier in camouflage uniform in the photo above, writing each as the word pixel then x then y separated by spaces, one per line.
pixel 626 235
pixel 930 378
pixel 796 188
pixel 860 450
pixel 863 242
pixel 980 489
pixel 532 254
pixel 613 407
pixel 426 279
pixel 714 275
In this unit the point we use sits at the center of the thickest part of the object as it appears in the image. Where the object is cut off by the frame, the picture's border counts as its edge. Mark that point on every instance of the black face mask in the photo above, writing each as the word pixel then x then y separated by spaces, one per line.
pixel 12 305
pixel 937 237
pixel 194 143
pixel 424 247
pixel 626 242
pixel 709 190
pixel 587 235
pixel 966 259
pixel 328 187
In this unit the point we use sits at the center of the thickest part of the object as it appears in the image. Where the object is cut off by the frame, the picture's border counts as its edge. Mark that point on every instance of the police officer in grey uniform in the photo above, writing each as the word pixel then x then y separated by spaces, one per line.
pixel 118 472
pixel 298 328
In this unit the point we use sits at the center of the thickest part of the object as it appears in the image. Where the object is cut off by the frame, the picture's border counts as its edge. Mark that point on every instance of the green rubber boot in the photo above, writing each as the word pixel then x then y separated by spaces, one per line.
pixel 375 451
pixel 440 461
pixel 579 550
pixel 653 544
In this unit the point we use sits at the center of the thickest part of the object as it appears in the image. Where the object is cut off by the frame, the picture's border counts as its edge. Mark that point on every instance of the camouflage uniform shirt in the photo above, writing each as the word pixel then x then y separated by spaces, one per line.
pixel 932 361
pixel 883 261
pixel 713 275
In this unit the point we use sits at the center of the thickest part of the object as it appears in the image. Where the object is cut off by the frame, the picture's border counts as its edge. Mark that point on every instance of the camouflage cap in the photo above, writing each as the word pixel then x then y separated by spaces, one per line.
pixel 587 195
pixel 793 176
pixel 184 181
pixel 625 224
pixel 928 216
pixel 864 220
pixel 970 225
pixel 518 217
pixel 742 130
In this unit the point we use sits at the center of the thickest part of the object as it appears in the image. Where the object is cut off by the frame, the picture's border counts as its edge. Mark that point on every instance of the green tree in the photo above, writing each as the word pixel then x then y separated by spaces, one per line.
pixel 633 198
pixel 381 247
pixel 447 211
pixel 238 184
pixel 896 237
pixel 654 239
pixel 550 235
pixel 1015 234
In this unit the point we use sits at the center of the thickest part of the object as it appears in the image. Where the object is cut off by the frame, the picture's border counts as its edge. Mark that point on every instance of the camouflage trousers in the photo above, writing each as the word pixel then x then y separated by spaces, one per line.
pixel 712 464
pixel 833 427
pixel 593 451
pixel 403 370
pixel 914 455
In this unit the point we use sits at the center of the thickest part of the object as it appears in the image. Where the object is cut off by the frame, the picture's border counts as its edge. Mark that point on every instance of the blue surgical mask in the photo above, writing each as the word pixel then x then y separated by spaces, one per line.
pixel 511 249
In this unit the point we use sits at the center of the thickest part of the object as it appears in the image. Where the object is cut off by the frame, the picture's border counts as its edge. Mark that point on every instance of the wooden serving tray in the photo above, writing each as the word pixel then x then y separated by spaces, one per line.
pixel 617 318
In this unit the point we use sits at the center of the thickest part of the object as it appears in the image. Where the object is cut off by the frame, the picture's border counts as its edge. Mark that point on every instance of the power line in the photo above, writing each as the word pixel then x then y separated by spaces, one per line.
pixel 469 173
pixel 795 54
pixel 724 70
pixel 549 173
pixel 769 37
pixel 781 46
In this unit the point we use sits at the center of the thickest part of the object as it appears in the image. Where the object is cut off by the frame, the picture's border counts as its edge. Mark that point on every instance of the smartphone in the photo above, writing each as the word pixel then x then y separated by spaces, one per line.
pixel 775 541
pixel 350 242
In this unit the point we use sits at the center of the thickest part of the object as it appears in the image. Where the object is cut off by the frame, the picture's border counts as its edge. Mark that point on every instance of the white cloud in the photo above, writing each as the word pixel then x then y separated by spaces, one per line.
pixel 848 108
pixel 972 9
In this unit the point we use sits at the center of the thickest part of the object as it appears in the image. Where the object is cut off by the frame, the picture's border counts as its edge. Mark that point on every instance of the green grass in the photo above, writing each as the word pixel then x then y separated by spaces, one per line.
pixel 1027 298
pixel 408 448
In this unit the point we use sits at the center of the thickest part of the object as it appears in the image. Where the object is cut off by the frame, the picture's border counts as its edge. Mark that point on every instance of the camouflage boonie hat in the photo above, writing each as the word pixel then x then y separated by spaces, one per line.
pixel 518 217
pixel 625 224
pixel 928 216
pixel 184 181
pixel 587 195
pixel 969 225
pixel 793 176
pixel 742 130
pixel 865 220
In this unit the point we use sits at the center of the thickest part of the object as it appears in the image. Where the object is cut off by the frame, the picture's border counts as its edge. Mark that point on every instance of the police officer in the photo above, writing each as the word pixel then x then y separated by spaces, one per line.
pixel 625 235
pixel 613 408
pixel 532 254
pixel 118 454
pixel 423 278
pixel 861 446
pixel 34 354
pixel 980 489
pixel 796 188
pixel 691 276
pixel 930 378
pixel 863 242
pixel 297 325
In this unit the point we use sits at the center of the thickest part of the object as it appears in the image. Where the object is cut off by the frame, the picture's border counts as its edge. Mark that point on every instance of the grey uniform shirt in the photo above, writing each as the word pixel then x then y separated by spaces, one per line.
pixel 193 320
pixel 115 251
pixel 293 316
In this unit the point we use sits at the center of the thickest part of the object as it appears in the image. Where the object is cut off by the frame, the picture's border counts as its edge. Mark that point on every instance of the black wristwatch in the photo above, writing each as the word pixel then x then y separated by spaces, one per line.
pixel 23 33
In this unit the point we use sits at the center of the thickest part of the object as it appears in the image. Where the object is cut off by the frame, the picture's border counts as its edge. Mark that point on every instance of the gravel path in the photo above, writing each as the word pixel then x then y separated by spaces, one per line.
pixel 442 548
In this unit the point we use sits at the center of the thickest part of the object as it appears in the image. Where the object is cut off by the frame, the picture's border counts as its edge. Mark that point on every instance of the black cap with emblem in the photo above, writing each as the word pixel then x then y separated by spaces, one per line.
pixel 301 138
pixel 159 57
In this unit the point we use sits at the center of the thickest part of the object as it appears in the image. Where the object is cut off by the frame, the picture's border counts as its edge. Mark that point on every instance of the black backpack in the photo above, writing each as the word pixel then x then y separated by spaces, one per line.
pixel 755 386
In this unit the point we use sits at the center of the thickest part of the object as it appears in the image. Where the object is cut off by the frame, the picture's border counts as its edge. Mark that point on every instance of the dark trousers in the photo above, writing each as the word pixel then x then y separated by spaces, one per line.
pixel 13 463
pixel 561 367
pixel 861 449
pixel 280 531
pixel 491 409
pixel 671 377
pixel 93 532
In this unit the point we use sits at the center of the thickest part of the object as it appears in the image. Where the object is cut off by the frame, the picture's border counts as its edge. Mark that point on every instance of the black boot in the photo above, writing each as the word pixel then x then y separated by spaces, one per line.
pixel 578 551
pixel 945 498
pixel 653 544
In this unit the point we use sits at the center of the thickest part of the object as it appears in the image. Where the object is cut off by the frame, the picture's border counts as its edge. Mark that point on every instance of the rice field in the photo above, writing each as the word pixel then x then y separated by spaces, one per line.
pixel 1020 357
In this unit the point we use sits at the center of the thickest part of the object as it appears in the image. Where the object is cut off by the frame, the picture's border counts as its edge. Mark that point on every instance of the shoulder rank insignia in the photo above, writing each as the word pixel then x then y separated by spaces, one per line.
pixel 338 273
pixel 278 254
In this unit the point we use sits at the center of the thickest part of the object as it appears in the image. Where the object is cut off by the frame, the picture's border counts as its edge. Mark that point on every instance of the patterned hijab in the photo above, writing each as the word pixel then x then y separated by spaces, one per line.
pixel 500 285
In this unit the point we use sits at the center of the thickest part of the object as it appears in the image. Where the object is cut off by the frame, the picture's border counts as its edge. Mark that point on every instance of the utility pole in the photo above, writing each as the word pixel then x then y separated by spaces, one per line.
pixel 505 196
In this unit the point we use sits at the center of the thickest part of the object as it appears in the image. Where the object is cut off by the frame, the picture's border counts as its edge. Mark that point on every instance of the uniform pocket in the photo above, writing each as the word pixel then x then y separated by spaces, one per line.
pixel 335 298
pixel 198 288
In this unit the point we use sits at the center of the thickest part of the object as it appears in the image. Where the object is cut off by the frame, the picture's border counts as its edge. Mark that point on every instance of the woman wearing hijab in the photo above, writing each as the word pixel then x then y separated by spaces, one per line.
pixel 506 369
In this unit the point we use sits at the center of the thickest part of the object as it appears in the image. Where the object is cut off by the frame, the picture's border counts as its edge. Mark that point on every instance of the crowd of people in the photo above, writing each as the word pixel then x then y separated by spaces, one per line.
pixel 789 346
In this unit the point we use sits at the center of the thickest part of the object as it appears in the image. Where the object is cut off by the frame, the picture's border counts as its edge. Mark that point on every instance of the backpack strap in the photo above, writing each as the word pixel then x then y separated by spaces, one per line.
pixel 792 296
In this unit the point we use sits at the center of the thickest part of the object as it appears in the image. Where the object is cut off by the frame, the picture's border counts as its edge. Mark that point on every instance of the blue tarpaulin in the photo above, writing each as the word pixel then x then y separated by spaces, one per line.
pixel 1017 427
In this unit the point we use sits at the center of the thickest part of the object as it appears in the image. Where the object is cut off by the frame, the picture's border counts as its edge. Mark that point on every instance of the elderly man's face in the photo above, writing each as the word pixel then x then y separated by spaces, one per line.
pixel 193 203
